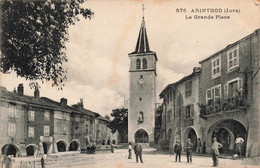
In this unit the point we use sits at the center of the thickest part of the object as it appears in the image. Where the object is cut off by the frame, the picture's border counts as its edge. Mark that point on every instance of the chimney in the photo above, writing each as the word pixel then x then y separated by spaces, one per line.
pixel 196 70
pixel 63 102
pixel 80 104
pixel 36 93
pixel 20 89
pixel 14 90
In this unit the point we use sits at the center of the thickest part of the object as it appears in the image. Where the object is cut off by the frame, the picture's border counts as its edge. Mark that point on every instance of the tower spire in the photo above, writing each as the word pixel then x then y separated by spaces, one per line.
pixel 142 45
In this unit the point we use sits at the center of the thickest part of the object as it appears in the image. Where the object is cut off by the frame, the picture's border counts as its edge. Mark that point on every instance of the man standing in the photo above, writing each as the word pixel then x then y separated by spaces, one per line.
pixel 112 148
pixel 177 150
pixel 42 162
pixel 239 142
pixel 215 151
pixel 199 146
pixel 189 147
pixel 138 152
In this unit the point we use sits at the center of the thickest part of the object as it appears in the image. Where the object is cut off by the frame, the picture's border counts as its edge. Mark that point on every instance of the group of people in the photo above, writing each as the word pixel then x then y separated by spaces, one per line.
pixel 189 149
pixel 138 151
pixel 214 149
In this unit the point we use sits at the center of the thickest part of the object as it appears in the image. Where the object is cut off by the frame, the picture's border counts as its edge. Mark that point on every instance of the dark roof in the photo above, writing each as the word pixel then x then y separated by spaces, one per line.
pixel 103 118
pixel 24 98
pixel 188 77
pixel 142 45
pixel 90 113
pixel 57 104
pixel 165 89
pixel 230 46
pixel 44 102
pixel 79 107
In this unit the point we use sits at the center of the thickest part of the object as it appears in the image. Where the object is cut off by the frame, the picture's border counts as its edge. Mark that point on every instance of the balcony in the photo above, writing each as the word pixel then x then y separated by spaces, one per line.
pixel 237 102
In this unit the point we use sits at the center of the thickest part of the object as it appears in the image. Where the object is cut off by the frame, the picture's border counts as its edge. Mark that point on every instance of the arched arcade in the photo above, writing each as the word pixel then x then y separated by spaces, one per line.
pixel 10 149
pixel 74 145
pixel 226 132
pixel 62 146
pixel 190 133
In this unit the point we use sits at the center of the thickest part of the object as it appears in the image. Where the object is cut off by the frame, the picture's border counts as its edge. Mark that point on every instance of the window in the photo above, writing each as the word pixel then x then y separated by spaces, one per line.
pixel 216 67
pixel 11 129
pixel 233 88
pixel 86 129
pixel 46 130
pixel 76 130
pixel 64 129
pixel 144 63
pixel 77 118
pixel 138 64
pixel 188 89
pixel 189 111
pixel 233 59
pixel 213 94
pixel 217 92
pixel 12 111
pixel 31 115
pixel 46 115
pixel 30 132
pixel 209 96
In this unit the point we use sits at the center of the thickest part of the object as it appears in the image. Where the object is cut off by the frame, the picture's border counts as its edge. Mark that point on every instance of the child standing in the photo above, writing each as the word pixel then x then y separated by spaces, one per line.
pixel 112 148
pixel 130 151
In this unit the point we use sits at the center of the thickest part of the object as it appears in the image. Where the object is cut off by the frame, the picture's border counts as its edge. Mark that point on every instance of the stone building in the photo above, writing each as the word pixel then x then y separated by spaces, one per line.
pixel 142 90
pixel 26 123
pixel 34 125
pixel 228 95
pixel 180 110
pixel 62 139
pixel 223 101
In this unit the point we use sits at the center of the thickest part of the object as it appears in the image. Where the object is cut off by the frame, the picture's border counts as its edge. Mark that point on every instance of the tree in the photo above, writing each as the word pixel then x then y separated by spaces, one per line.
pixel 34 34
pixel 120 123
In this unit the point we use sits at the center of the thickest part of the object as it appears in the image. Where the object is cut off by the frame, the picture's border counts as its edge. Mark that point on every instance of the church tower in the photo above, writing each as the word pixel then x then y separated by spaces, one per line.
pixel 142 90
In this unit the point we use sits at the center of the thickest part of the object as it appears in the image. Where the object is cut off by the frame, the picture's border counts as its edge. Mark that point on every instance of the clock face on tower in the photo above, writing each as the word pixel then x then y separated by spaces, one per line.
pixel 141 81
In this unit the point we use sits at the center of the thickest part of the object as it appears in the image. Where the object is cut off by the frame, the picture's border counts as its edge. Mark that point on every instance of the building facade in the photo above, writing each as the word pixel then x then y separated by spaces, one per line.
pixel 224 104
pixel 26 124
pixel 228 82
pixel 34 125
pixel 142 90
pixel 180 114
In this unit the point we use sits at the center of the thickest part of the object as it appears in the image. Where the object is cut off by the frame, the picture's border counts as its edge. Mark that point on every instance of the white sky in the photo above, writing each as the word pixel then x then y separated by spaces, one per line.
pixel 98 48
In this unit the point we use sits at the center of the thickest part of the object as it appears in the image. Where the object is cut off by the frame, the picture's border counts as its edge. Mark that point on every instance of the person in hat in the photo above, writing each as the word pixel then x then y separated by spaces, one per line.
pixel 199 146
pixel 130 150
pixel 239 142
pixel 138 152
pixel 189 147
pixel 177 150
pixel 215 152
